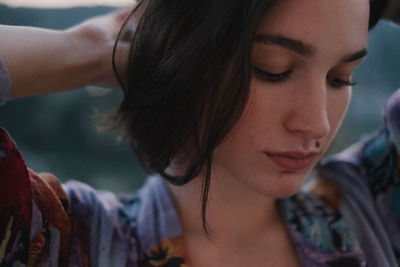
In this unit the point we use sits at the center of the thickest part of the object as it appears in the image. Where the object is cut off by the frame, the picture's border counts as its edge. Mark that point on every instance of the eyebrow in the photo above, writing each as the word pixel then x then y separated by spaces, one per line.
pixel 357 55
pixel 289 43
pixel 301 47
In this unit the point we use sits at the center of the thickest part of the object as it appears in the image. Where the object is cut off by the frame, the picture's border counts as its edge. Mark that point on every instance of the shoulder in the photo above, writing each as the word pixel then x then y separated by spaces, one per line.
pixel 34 211
pixel 361 185
pixel 319 233
pixel 46 222
pixel 144 226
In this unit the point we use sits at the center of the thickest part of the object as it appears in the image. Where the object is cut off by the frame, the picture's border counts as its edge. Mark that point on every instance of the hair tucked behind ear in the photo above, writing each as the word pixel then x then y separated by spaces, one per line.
pixel 186 82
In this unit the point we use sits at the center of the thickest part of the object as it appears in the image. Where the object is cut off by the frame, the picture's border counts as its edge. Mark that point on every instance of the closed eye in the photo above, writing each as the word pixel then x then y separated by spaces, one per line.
pixel 282 76
pixel 338 83
pixel 271 76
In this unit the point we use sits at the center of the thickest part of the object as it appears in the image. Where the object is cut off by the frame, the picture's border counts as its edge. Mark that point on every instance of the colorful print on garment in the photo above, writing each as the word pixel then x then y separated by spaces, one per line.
pixel 319 233
pixel 169 253
pixel 30 211
pixel 131 230
pixel 380 166
pixel 347 216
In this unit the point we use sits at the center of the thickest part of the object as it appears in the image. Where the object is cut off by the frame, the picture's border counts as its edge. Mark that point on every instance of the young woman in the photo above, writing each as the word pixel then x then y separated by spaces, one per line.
pixel 230 104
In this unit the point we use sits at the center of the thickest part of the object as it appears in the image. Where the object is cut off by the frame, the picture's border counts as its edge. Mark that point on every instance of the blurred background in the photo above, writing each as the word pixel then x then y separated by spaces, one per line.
pixel 60 133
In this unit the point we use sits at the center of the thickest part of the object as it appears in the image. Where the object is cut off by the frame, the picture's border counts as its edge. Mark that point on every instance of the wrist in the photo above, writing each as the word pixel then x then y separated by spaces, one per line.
pixel 92 55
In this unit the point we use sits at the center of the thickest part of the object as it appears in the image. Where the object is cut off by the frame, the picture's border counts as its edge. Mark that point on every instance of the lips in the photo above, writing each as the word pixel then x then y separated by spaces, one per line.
pixel 292 160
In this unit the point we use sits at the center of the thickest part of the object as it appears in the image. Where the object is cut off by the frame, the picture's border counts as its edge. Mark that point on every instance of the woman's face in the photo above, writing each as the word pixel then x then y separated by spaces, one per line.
pixel 303 56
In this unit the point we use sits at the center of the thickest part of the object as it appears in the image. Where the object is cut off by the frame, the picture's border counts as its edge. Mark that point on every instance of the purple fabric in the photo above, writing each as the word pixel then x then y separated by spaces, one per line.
pixel 5 84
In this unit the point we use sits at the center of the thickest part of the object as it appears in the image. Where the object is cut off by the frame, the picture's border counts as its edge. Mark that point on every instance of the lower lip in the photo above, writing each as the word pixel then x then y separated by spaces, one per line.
pixel 291 163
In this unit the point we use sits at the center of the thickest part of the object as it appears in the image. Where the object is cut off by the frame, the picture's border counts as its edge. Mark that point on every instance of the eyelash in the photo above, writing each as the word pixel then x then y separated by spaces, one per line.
pixel 279 77
pixel 272 77
pixel 338 83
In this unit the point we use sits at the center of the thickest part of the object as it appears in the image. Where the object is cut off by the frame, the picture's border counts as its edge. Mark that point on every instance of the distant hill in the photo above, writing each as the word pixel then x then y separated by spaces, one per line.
pixel 50 18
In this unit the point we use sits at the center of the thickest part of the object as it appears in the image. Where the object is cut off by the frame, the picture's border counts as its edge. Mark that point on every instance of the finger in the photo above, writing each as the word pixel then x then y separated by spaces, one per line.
pixel 122 14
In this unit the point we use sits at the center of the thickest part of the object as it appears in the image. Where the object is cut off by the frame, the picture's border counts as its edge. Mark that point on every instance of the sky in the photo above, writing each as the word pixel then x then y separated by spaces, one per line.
pixel 63 3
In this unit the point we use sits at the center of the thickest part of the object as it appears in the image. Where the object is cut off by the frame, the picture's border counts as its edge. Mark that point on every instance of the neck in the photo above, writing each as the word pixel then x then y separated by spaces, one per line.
pixel 234 212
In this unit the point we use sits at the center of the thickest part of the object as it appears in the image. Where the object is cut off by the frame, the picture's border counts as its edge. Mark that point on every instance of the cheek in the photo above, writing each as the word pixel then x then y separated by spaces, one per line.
pixel 254 125
pixel 263 110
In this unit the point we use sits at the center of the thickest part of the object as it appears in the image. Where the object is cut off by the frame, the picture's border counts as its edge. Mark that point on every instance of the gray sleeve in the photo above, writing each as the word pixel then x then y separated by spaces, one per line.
pixel 5 83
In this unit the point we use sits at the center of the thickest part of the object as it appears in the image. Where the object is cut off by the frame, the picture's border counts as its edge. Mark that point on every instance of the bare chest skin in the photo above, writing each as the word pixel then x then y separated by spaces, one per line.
pixel 269 251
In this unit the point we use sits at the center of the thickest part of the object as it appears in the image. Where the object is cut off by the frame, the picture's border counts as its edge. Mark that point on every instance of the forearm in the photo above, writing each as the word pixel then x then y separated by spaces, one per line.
pixel 42 61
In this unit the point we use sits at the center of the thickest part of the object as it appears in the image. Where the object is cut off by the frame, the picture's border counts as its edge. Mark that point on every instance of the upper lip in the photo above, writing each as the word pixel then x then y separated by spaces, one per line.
pixel 293 154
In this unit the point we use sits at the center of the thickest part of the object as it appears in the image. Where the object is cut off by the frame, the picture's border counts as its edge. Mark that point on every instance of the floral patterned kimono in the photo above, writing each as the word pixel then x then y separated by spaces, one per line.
pixel 348 215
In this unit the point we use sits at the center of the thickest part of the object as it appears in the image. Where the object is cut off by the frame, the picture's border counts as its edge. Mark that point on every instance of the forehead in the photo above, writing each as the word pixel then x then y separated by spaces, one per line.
pixel 329 25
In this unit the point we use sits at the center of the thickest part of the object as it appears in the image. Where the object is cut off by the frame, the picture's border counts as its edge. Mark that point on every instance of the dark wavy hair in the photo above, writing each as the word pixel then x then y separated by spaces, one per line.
pixel 186 81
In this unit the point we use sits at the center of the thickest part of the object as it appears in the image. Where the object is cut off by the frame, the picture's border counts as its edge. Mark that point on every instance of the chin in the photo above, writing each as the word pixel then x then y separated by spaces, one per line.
pixel 284 192
pixel 281 186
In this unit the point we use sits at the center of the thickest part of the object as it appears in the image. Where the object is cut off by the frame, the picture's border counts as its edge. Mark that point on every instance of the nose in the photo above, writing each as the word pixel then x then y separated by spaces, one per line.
pixel 308 115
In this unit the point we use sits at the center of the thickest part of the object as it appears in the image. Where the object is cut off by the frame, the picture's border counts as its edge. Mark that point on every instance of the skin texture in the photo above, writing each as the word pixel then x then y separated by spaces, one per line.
pixel 285 115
